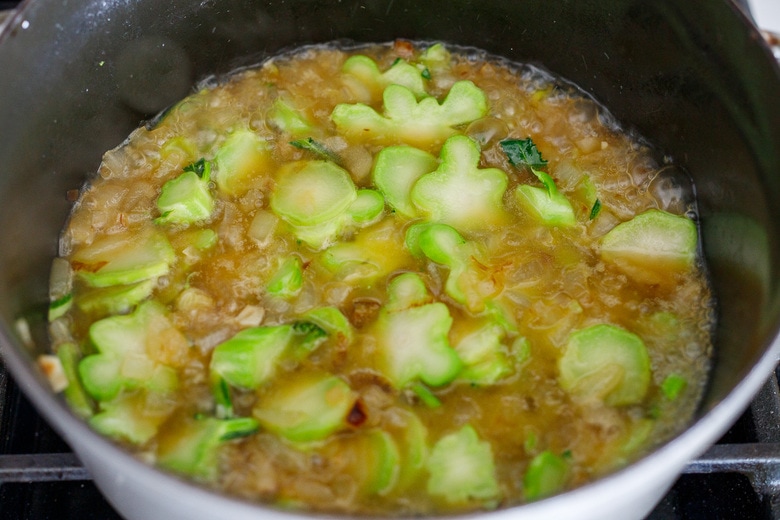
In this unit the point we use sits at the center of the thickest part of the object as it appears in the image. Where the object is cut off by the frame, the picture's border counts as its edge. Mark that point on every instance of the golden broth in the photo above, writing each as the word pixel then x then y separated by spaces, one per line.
pixel 536 284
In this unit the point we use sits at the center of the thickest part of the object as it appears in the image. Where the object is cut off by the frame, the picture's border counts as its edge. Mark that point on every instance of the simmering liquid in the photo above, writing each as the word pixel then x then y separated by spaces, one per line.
pixel 396 279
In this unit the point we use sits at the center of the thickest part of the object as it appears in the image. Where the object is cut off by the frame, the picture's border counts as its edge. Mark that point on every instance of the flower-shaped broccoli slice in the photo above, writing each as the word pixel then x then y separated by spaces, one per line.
pixel 458 192
pixel 413 337
pixel 405 120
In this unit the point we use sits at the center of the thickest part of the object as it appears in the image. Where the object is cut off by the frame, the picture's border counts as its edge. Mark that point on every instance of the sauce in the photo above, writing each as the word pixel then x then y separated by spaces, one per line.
pixel 441 375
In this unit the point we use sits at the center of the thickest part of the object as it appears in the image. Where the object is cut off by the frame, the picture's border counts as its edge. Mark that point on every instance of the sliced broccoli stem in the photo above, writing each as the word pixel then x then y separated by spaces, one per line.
pixel 123 360
pixel 289 120
pixel 405 120
pixel 124 258
pixel 458 192
pixel 241 160
pixel 436 58
pixel 187 198
pixel 547 204
pixel 118 299
pixel 307 408
pixel 367 73
pixel 546 475
pixel 652 245
pixel 412 439
pixel 367 207
pixel 193 448
pixel 250 357
pixel 332 321
pixel 467 282
pixel 287 280
pixel 395 171
pixel 605 362
pixel 134 417
pixel 462 469
pixel 407 290
pixel 372 254
pixel 413 341
pixel 80 402
pixel 307 336
pixel 673 385
pixel 313 197
pixel 484 355
pixel 372 457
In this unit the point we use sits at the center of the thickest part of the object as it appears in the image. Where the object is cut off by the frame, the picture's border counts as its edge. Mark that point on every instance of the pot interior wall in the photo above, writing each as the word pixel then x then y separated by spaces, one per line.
pixel 78 77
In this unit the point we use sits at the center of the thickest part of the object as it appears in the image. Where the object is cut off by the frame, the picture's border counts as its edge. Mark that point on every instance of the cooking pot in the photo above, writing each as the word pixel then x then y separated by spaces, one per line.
pixel 693 77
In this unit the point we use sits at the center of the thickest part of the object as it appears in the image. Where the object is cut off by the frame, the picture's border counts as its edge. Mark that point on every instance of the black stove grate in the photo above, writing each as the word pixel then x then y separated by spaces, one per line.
pixel 738 478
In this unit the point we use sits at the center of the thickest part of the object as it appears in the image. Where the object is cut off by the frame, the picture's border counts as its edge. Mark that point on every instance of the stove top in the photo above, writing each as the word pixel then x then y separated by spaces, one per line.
pixel 738 478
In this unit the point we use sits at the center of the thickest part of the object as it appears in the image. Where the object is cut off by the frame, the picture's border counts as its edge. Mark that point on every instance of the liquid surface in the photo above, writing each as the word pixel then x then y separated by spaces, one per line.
pixel 446 378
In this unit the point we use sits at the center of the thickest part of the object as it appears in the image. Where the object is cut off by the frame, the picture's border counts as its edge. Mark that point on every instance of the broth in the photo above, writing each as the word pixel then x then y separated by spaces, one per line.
pixel 263 289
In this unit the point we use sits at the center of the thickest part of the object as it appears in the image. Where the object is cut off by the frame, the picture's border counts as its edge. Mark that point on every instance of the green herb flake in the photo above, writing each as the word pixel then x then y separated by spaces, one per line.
pixel 523 152
pixel 426 73
pixel 594 211
pixel 425 395
pixel 201 168
pixel 673 386
pixel 317 148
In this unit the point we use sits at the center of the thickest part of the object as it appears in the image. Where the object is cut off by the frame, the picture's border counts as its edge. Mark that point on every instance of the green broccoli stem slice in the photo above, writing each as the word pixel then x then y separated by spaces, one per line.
pixel 250 357
pixel 366 71
pixel 458 192
pixel 193 448
pixel 468 282
pixel 187 198
pixel 546 475
pixel 411 437
pixel 462 469
pixel 396 169
pixel 372 254
pixel 77 397
pixel 117 299
pixel 133 417
pixel 332 321
pixel 547 204
pixel 367 207
pixel 651 245
pixel 371 457
pixel 484 355
pixel 313 197
pixel 123 360
pixel 413 341
pixel 287 280
pixel 240 161
pixel 673 385
pixel 124 258
pixel 605 362
pixel 405 120
pixel 287 119
pixel 307 408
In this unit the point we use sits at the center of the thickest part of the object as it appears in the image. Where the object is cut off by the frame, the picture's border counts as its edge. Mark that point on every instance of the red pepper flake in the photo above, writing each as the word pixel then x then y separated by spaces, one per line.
pixel 404 49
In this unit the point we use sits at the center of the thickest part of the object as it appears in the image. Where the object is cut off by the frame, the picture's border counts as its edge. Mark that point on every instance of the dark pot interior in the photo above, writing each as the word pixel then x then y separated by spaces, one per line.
pixel 690 76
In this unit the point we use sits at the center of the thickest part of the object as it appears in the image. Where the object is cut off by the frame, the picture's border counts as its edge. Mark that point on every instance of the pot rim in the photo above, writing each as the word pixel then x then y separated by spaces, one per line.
pixel 671 455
